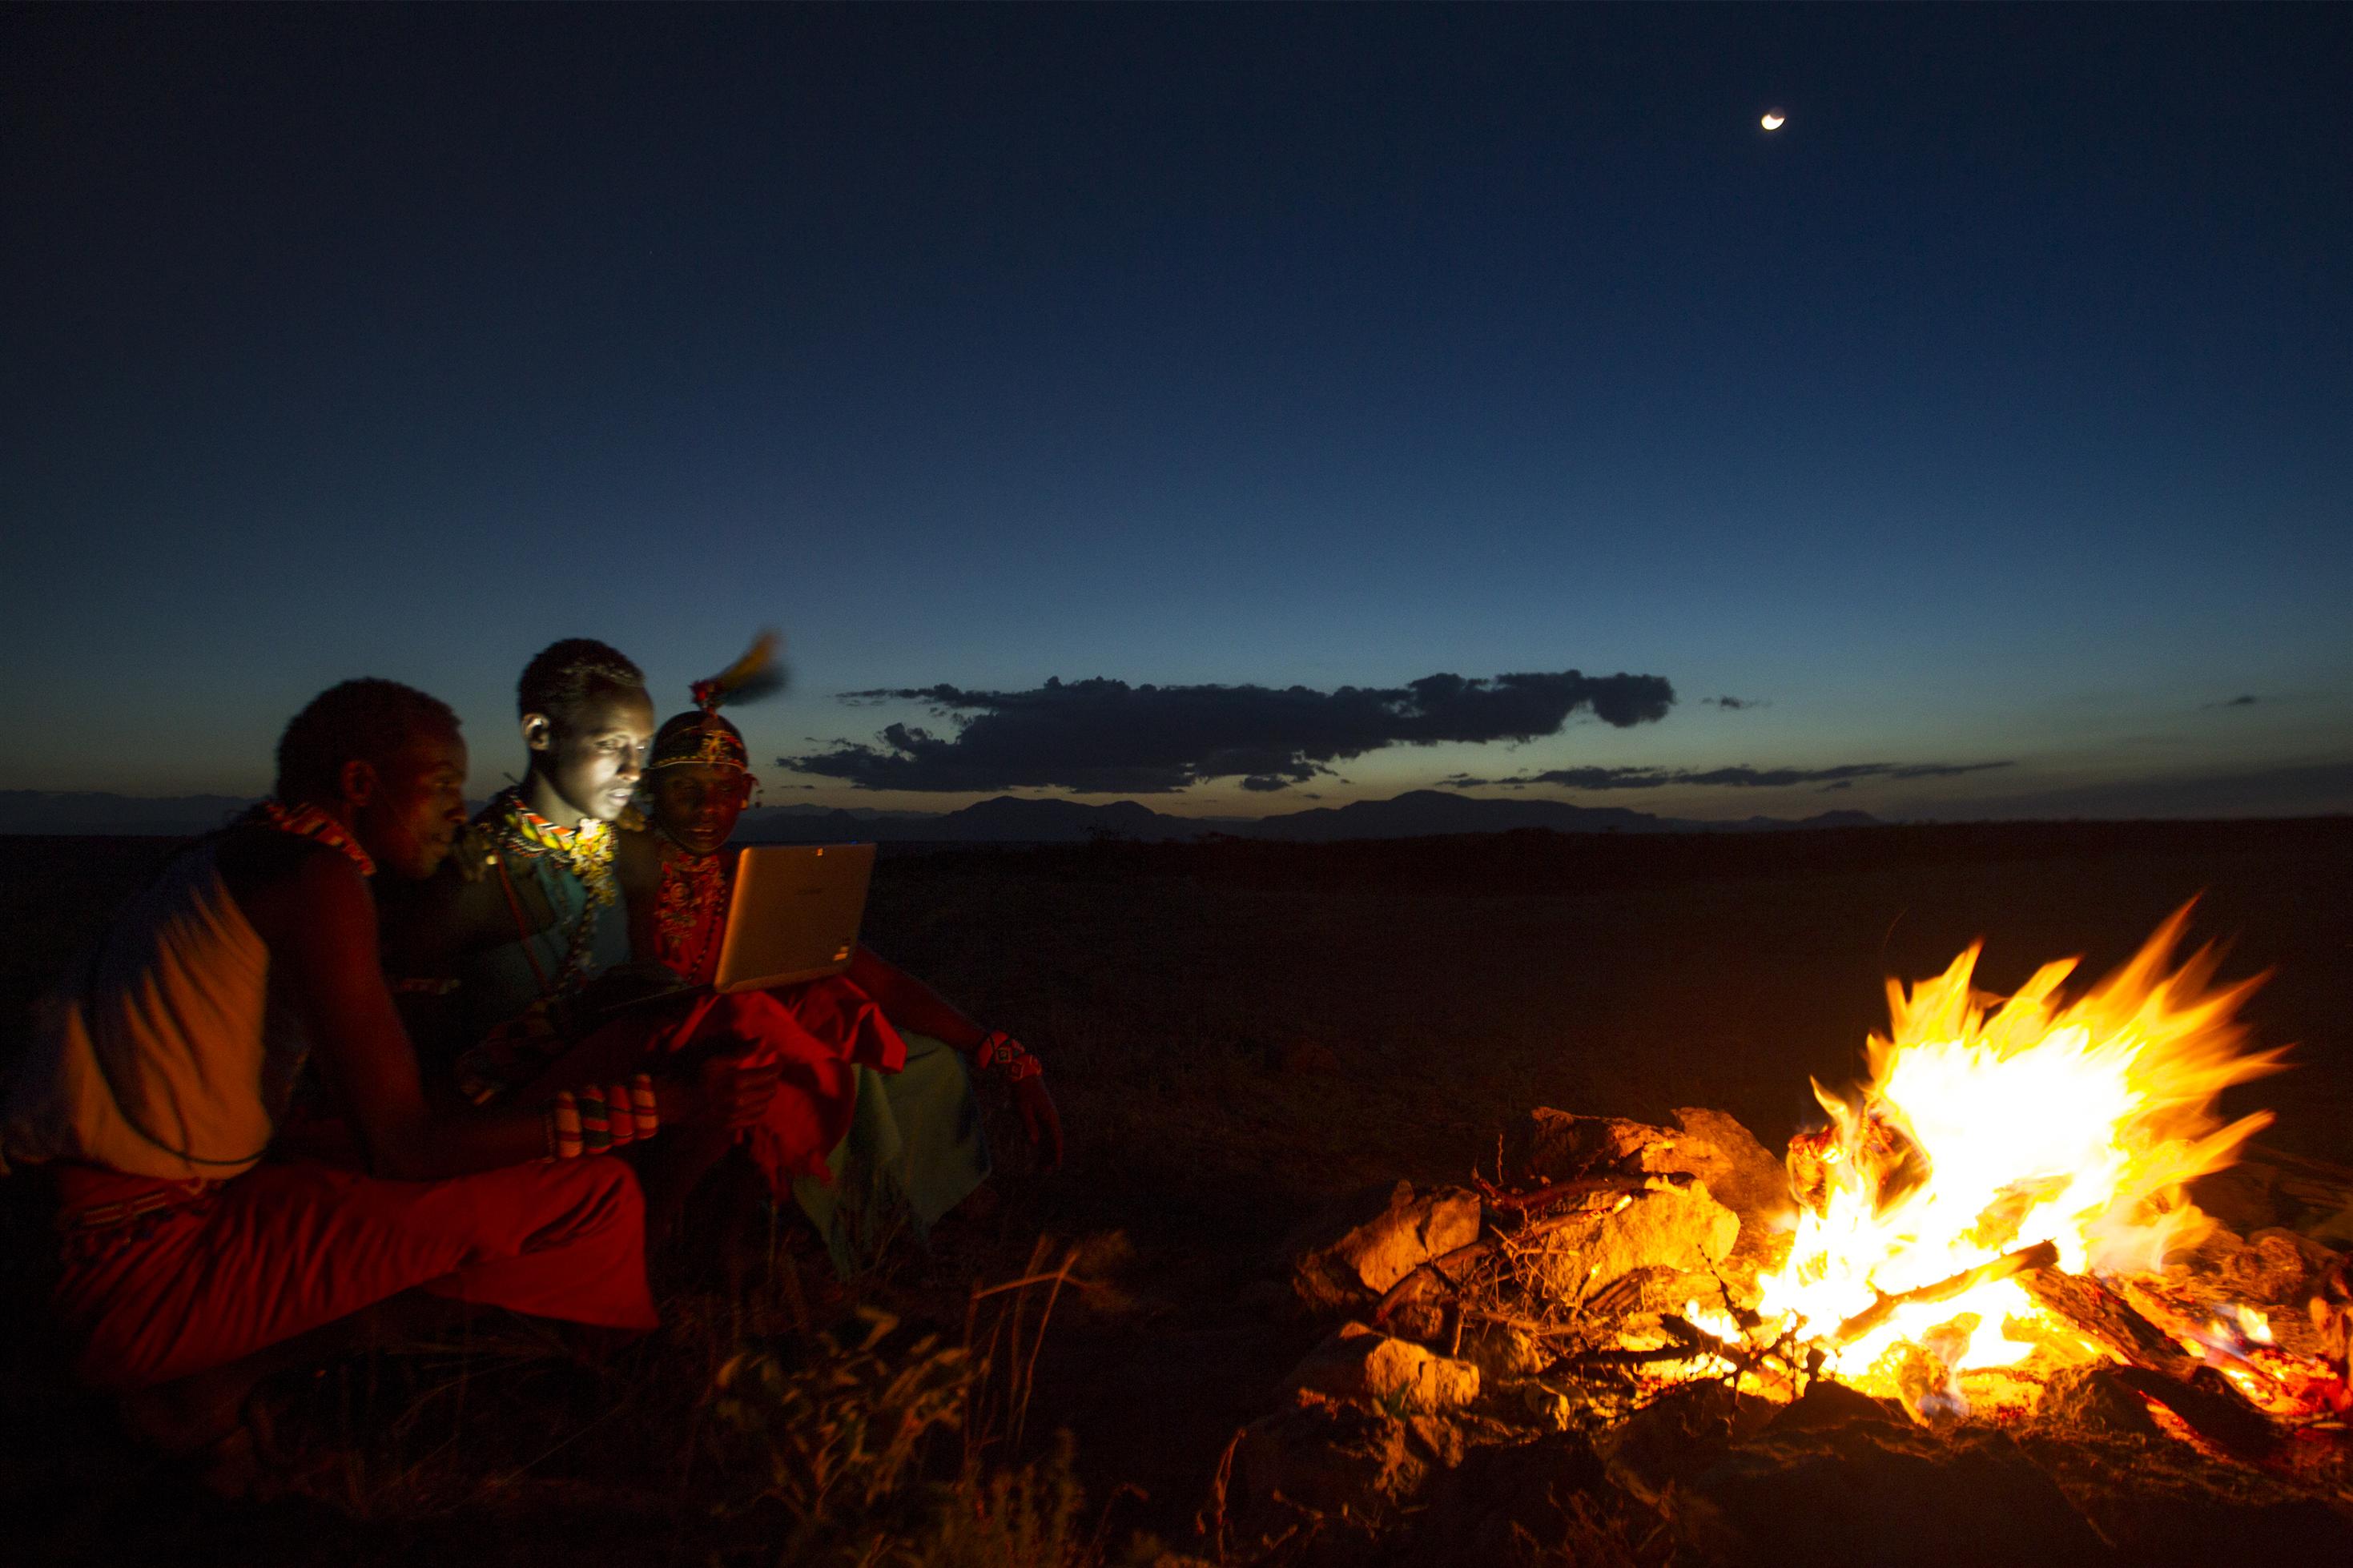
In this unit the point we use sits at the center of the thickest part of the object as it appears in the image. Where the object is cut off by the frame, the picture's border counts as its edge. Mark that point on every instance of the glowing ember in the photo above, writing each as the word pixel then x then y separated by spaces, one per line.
pixel 1989 1126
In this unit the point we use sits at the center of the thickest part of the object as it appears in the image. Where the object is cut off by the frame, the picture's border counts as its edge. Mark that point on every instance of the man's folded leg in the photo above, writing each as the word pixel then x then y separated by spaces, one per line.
pixel 288 1248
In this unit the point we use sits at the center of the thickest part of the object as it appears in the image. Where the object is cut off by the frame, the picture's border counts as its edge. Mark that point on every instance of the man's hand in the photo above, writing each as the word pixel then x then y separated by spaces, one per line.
pixel 618 984
pixel 736 1090
pixel 999 1052
pixel 1039 1118
pixel 471 851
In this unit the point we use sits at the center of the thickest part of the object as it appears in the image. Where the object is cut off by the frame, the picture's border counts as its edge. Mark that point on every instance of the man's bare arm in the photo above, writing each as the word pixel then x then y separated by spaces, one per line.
pixel 909 1003
pixel 321 927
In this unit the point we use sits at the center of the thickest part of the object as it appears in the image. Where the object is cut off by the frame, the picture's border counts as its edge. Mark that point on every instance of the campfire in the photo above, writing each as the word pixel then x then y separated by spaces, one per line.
pixel 2005 1191
pixel 1992 1234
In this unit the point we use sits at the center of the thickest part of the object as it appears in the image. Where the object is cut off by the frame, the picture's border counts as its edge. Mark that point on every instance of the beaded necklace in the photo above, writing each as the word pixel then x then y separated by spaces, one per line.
pixel 312 822
pixel 690 910
pixel 585 851
pixel 518 833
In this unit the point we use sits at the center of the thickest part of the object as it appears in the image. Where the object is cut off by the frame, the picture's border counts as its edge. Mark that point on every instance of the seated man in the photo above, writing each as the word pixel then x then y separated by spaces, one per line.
pixel 501 962
pixel 525 932
pixel 894 1128
pixel 201 1252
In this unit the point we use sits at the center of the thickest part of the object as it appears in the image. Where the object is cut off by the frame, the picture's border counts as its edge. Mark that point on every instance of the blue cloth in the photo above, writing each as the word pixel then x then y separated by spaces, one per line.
pixel 498 982
pixel 913 1152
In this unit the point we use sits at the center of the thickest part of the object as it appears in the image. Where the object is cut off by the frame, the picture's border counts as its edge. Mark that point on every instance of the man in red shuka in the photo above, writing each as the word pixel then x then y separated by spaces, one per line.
pixel 243 1155
pixel 879 1117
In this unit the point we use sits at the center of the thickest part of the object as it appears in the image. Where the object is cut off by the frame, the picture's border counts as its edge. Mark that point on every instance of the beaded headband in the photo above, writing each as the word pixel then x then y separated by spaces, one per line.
pixel 698 740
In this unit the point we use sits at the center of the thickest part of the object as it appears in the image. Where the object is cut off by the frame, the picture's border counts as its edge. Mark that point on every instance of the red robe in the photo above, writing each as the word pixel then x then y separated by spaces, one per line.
pixel 222 1269
pixel 820 1031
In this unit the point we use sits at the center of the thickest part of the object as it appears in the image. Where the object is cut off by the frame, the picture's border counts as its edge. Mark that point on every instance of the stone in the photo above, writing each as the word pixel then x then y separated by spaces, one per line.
pixel 1358 1254
pixel 1558 1146
pixel 1501 1353
pixel 1737 1169
pixel 1550 1408
pixel 1437 1439
pixel 1676 1228
pixel 1357 1363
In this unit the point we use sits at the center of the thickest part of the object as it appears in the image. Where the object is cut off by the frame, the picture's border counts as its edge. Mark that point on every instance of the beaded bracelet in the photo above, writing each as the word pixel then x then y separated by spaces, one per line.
pixel 598 1119
pixel 1000 1050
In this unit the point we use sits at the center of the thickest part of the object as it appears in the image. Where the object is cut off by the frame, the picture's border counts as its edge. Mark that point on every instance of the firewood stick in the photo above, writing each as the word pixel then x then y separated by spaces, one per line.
pixel 2210 1407
pixel 1442 1267
pixel 1535 1328
pixel 1583 1187
pixel 2025 1260
pixel 2107 1318
pixel 1689 1344
pixel 2157 1367
pixel 1424 1272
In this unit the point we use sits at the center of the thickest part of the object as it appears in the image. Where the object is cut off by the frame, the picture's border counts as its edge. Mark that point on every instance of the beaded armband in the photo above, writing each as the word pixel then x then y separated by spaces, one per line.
pixel 1002 1052
pixel 596 1119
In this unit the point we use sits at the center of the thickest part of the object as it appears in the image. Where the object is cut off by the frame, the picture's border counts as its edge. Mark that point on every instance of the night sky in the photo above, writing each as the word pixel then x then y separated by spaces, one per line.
pixel 1978 444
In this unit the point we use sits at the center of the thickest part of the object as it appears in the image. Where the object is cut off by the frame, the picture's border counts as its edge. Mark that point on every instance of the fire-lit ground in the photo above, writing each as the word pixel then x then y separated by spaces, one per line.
pixel 1240 1035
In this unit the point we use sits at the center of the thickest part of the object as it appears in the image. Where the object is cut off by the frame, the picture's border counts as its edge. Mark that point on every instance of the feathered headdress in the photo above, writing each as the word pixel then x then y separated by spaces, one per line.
pixel 703 739
pixel 759 673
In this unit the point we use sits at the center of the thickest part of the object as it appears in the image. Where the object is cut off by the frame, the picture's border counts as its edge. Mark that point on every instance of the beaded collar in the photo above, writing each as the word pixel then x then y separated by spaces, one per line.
pixel 312 822
pixel 518 833
pixel 585 851
pixel 691 909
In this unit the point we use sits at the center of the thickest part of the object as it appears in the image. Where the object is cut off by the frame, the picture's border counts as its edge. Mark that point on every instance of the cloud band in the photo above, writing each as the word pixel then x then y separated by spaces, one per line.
pixel 1103 737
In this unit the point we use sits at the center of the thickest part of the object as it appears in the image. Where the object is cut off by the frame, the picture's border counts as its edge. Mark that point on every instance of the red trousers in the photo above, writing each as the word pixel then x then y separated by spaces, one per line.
pixel 288 1246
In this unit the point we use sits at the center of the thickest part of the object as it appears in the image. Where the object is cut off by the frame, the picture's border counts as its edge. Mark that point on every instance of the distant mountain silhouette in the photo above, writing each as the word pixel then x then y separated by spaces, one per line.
pixel 1418 814
pixel 1007 819
pixel 86 812
pixel 1428 814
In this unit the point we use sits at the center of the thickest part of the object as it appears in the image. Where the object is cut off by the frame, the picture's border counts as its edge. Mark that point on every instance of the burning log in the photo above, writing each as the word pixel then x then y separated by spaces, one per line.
pixel 2025 1260
pixel 2155 1366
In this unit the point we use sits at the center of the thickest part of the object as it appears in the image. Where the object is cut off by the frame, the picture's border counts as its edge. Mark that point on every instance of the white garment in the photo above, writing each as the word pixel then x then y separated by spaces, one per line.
pixel 159 1059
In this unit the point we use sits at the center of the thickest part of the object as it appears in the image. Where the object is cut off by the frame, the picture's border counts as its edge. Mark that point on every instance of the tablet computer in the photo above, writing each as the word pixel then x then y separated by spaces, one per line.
pixel 795 915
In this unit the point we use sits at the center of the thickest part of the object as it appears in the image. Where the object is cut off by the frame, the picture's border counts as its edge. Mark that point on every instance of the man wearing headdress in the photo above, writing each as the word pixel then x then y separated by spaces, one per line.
pixel 887 1123
pixel 241 1147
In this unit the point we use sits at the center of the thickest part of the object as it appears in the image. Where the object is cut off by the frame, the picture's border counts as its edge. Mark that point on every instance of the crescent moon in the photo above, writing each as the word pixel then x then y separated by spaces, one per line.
pixel 1774 120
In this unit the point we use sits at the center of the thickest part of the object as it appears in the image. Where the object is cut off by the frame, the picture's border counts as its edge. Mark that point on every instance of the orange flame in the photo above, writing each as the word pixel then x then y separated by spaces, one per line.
pixel 1987 1125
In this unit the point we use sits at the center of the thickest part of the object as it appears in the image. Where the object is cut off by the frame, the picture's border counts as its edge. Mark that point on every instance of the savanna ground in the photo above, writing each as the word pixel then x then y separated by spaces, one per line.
pixel 1238 1035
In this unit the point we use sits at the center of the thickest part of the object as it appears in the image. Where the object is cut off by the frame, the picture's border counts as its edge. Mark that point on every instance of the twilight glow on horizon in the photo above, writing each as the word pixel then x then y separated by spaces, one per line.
pixel 1710 411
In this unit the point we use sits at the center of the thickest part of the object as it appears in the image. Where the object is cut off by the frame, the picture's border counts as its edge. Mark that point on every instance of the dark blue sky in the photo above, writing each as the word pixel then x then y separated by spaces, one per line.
pixel 1998 409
